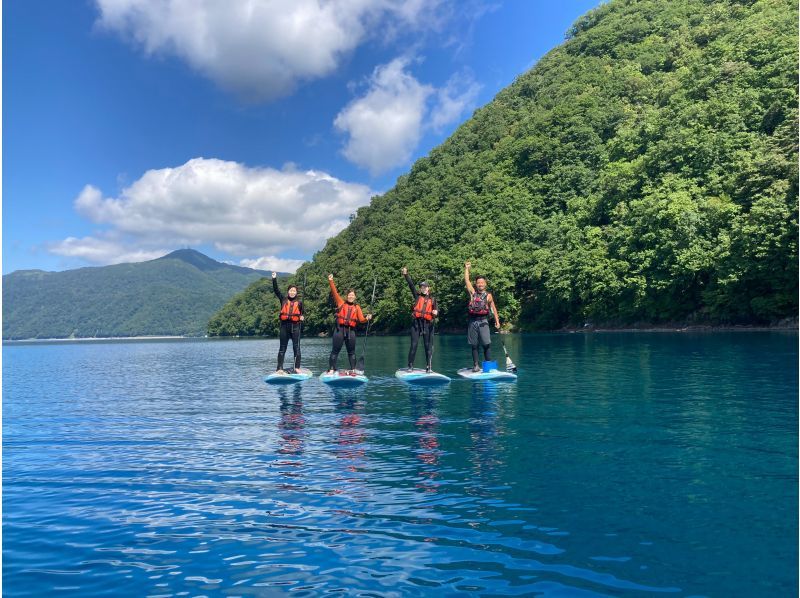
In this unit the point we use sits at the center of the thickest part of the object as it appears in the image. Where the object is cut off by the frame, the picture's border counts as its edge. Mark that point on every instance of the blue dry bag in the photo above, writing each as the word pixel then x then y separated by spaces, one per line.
pixel 488 366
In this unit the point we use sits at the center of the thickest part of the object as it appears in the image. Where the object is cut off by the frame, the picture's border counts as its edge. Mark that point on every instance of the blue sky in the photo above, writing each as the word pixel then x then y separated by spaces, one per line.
pixel 247 130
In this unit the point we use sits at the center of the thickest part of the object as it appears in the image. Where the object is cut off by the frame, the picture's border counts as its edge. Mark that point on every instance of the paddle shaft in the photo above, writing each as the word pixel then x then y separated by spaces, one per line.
pixel 360 363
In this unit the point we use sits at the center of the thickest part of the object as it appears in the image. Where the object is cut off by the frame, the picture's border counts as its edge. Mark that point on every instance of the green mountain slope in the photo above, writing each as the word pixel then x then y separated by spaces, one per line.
pixel 172 295
pixel 643 171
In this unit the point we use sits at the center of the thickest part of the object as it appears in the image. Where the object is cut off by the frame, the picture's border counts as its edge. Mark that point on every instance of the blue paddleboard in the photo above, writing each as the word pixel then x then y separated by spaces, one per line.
pixel 343 379
pixel 288 377
pixel 491 375
pixel 419 376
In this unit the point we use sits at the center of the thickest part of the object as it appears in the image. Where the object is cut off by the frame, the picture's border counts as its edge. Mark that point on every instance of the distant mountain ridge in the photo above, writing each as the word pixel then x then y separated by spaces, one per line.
pixel 175 294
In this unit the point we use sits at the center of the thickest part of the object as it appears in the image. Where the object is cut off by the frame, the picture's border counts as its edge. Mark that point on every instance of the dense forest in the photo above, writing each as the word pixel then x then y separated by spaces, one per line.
pixel 173 295
pixel 644 171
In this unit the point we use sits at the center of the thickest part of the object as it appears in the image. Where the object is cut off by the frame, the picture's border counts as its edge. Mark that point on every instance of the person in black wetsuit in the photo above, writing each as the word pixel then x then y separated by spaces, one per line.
pixel 425 309
pixel 291 316
pixel 348 316
pixel 481 304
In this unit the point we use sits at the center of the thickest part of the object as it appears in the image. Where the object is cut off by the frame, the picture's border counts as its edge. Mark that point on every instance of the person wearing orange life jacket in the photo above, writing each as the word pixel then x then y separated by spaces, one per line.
pixel 348 316
pixel 291 315
pixel 481 304
pixel 423 313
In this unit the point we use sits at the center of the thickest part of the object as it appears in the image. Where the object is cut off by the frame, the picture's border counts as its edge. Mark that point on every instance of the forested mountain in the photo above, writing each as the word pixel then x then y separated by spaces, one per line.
pixel 643 171
pixel 172 295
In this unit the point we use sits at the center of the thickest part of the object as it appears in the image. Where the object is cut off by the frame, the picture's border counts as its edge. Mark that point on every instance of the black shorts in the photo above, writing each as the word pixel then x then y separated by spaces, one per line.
pixel 478 332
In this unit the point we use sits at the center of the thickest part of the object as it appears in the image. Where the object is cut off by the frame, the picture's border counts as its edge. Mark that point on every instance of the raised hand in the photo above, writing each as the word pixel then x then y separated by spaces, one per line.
pixel 274 275
pixel 405 270
pixel 330 276
pixel 468 264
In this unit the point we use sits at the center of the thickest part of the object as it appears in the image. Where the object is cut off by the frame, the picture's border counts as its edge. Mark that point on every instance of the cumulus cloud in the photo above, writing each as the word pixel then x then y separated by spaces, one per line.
pixel 262 49
pixel 239 210
pixel 270 263
pixel 384 126
pixel 102 251
pixel 453 100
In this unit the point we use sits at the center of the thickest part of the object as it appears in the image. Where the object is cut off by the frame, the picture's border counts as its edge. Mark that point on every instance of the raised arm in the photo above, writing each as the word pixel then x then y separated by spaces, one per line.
pixel 275 288
pixel 410 282
pixel 470 288
pixel 337 299
pixel 493 308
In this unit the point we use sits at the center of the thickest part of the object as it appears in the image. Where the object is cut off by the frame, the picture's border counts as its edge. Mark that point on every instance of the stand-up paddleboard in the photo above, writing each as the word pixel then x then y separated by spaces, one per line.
pixel 357 378
pixel 289 376
pixel 419 376
pixel 491 375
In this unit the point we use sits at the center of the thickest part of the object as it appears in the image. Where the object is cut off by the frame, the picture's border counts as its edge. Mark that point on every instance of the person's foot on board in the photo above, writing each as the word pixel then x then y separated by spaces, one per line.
pixel 410 369
pixel 476 368
pixel 330 372
pixel 280 372
pixel 428 370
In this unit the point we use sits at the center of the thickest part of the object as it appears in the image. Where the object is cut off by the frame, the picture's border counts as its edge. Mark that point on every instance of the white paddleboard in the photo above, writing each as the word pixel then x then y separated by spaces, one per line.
pixel 287 377
pixel 419 376
pixel 343 379
pixel 491 375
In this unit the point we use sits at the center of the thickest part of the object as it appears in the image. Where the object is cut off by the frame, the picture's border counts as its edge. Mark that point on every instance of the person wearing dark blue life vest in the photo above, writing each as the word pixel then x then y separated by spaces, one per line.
pixel 423 313
pixel 291 316
pixel 481 304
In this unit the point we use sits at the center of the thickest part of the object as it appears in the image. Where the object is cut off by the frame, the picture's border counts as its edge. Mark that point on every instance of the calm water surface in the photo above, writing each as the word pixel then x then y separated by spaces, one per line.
pixel 627 464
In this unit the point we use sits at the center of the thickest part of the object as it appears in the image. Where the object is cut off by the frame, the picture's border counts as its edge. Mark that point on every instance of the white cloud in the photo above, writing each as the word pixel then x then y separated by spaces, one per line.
pixel 270 263
pixel 453 100
pixel 240 210
pixel 102 251
pixel 263 49
pixel 384 126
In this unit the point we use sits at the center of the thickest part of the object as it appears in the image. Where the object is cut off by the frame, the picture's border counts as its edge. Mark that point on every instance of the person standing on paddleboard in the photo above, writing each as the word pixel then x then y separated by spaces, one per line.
pixel 481 304
pixel 425 309
pixel 291 315
pixel 348 316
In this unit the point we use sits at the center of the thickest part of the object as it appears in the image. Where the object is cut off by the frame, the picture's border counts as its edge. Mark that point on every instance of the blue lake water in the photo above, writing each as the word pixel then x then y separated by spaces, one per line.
pixel 624 464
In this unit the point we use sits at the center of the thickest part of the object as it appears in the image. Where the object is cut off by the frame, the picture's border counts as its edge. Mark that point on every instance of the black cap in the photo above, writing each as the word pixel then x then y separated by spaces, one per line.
pixel 424 284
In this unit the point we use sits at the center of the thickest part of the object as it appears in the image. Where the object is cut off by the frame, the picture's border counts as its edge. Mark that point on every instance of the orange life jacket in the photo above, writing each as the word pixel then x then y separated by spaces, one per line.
pixel 346 315
pixel 290 310
pixel 423 308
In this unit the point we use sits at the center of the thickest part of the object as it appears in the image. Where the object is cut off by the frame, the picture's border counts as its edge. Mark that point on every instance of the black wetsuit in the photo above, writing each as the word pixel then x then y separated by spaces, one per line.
pixel 288 330
pixel 343 335
pixel 420 327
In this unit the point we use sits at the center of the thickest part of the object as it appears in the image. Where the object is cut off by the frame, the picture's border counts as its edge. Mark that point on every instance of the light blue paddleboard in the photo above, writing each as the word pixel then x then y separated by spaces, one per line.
pixel 343 379
pixel 419 376
pixel 491 375
pixel 288 378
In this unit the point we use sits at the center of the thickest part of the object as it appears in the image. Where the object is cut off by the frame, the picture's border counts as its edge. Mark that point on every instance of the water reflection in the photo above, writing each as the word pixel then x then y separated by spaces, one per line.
pixel 292 422
pixel 483 429
pixel 350 437
pixel 292 434
pixel 426 420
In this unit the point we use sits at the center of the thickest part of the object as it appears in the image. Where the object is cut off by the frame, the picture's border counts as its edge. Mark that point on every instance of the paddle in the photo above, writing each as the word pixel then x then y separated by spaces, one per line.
pixel 360 362
pixel 510 367
pixel 433 327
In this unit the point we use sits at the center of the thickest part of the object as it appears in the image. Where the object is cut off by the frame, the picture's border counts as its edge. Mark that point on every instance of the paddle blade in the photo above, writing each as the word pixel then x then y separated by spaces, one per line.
pixel 510 367
pixel 360 364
